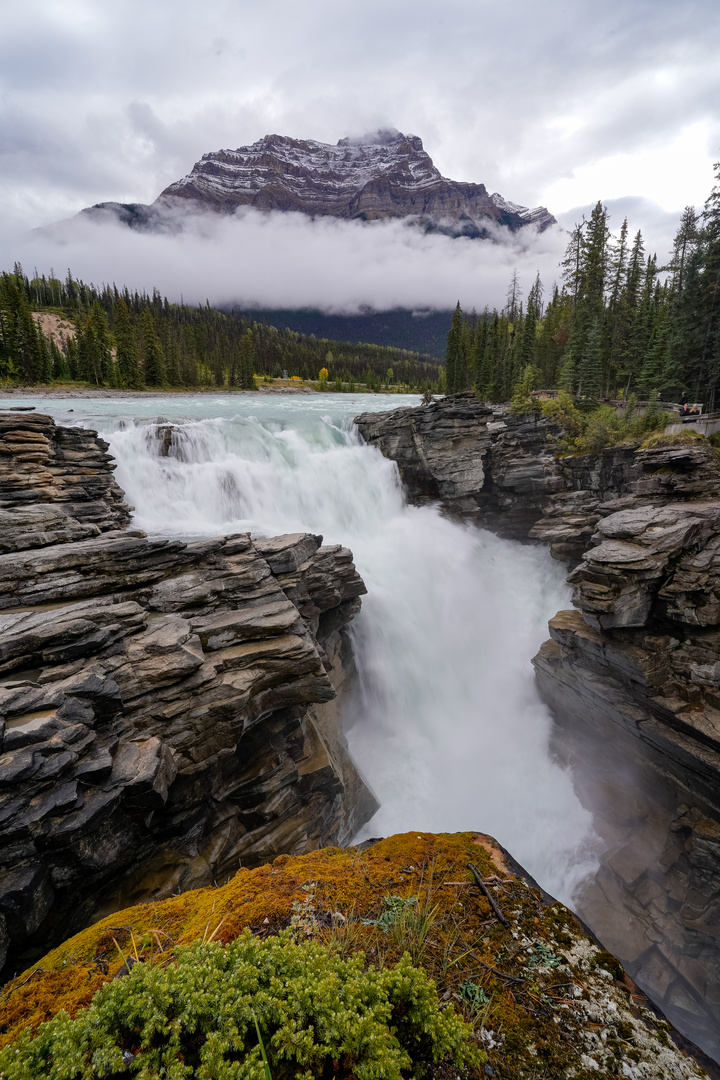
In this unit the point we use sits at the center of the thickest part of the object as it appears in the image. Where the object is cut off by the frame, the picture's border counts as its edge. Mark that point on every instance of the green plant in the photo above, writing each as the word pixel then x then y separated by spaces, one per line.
pixel 407 922
pixel 523 403
pixel 679 438
pixel 474 995
pixel 543 956
pixel 396 908
pixel 248 1011
pixel 268 1074
pixel 303 921
pixel 562 411
pixel 591 428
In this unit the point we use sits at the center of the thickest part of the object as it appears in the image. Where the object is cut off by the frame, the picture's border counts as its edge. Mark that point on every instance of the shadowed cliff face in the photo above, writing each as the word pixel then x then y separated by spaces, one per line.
pixel 385 175
pixel 165 708
pixel 632 675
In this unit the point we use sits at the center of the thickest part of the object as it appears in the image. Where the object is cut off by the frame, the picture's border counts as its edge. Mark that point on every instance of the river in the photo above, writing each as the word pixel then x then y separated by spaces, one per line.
pixel 445 722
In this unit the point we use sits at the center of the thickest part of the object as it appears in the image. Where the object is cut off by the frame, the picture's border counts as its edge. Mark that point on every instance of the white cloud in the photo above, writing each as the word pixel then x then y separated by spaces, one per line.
pixel 670 174
pixel 541 101
pixel 289 261
pixel 548 102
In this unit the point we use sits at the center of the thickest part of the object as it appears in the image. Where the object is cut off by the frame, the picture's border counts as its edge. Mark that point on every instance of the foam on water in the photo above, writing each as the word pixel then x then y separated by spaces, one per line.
pixel 447 725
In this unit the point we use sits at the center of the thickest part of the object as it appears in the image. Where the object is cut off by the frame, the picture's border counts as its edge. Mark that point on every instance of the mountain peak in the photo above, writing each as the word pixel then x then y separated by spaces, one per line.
pixel 382 174
pixel 381 137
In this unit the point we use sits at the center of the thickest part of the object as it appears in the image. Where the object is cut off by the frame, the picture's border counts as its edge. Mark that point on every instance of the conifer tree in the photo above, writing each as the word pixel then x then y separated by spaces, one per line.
pixel 590 368
pixel 454 349
pixel 710 292
pixel 126 357
pixel 514 294
pixel 567 379
pixel 153 356
pixel 246 361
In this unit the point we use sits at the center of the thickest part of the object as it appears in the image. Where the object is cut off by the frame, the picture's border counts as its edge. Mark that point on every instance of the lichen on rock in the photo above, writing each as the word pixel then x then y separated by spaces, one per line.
pixel 541 997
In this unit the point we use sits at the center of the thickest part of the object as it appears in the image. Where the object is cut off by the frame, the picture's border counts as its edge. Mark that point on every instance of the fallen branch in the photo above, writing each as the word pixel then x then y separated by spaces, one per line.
pixel 501 974
pixel 23 983
pixel 493 902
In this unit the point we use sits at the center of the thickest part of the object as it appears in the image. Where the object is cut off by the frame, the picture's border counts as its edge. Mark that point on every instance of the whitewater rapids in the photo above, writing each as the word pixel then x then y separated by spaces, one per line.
pixel 446 723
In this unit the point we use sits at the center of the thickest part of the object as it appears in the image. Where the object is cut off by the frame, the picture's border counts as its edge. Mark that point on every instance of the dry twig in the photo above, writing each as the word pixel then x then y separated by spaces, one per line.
pixel 493 902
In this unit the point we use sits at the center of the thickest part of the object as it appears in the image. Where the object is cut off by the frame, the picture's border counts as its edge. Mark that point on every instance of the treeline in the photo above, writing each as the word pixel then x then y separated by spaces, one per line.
pixel 619 324
pixel 132 340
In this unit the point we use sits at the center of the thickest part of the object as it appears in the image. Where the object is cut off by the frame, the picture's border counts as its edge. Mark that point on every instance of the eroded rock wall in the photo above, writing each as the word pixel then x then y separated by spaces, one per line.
pixel 482 465
pixel 632 674
pixel 161 703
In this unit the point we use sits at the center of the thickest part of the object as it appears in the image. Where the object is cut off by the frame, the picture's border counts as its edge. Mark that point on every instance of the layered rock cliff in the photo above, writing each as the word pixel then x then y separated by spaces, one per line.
pixel 166 708
pixel 383 175
pixel 632 674
pixel 481 464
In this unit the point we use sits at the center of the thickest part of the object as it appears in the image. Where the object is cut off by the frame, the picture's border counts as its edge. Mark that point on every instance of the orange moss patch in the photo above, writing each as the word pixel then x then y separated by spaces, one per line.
pixel 523 986
pixel 346 881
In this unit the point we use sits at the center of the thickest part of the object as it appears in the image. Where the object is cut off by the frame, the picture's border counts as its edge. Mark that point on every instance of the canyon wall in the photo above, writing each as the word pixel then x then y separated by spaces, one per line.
pixel 167 709
pixel 632 674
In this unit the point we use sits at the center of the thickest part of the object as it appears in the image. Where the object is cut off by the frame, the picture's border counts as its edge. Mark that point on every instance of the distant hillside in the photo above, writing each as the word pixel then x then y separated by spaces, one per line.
pixel 419 331
pixel 71 331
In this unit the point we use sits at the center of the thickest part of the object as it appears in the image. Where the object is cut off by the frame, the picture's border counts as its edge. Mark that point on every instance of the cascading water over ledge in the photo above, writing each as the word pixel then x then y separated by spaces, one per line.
pixel 444 719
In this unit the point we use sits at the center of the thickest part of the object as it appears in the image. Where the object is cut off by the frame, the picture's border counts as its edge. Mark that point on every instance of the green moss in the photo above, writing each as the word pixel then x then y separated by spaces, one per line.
pixel 610 963
pixel 521 988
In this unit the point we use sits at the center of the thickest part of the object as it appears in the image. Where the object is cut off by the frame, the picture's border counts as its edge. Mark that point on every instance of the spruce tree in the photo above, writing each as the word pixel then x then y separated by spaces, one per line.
pixel 454 350
pixel 709 307
pixel 126 357
pixel 567 379
pixel 590 369
pixel 153 356
pixel 246 361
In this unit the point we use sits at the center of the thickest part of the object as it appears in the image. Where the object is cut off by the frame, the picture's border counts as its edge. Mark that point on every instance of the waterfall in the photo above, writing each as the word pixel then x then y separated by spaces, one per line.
pixel 446 723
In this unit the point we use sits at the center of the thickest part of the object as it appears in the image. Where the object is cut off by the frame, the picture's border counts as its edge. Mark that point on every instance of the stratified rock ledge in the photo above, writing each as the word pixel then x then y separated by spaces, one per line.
pixel 167 710
pixel 632 675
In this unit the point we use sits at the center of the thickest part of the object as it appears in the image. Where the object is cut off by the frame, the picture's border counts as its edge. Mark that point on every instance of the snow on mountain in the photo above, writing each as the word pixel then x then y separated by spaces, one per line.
pixel 382 175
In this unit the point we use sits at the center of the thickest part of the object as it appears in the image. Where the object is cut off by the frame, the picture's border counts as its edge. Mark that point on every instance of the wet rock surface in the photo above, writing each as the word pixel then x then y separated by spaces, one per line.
pixel 482 464
pixel 632 675
pixel 166 709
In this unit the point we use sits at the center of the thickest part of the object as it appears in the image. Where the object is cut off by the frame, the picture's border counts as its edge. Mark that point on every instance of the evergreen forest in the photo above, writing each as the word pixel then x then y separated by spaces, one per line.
pixel 124 340
pixel 620 324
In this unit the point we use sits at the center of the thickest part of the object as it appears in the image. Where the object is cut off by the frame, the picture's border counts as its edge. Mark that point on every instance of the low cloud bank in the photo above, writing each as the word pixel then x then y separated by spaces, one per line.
pixel 289 261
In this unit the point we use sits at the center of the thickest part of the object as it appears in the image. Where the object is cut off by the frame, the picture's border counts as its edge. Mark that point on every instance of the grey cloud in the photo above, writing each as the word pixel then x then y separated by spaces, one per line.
pixel 286 260
pixel 115 101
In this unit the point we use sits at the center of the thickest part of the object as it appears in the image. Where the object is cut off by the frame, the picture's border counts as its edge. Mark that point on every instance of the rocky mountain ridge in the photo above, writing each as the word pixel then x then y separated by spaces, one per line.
pixel 632 674
pixel 383 175
pixel 167 710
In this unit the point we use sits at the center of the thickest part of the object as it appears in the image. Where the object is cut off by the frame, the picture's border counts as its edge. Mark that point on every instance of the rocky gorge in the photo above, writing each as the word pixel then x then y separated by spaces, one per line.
pixel 168 710
pixel 632 673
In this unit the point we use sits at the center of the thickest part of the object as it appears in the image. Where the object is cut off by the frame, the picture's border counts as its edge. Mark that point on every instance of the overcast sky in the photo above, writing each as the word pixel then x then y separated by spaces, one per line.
pixel 554 103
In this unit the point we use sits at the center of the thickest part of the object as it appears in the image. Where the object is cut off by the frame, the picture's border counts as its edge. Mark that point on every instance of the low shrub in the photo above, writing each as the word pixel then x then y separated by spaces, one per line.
pixel 591 429
pixel 677 438
pixel 211 1014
